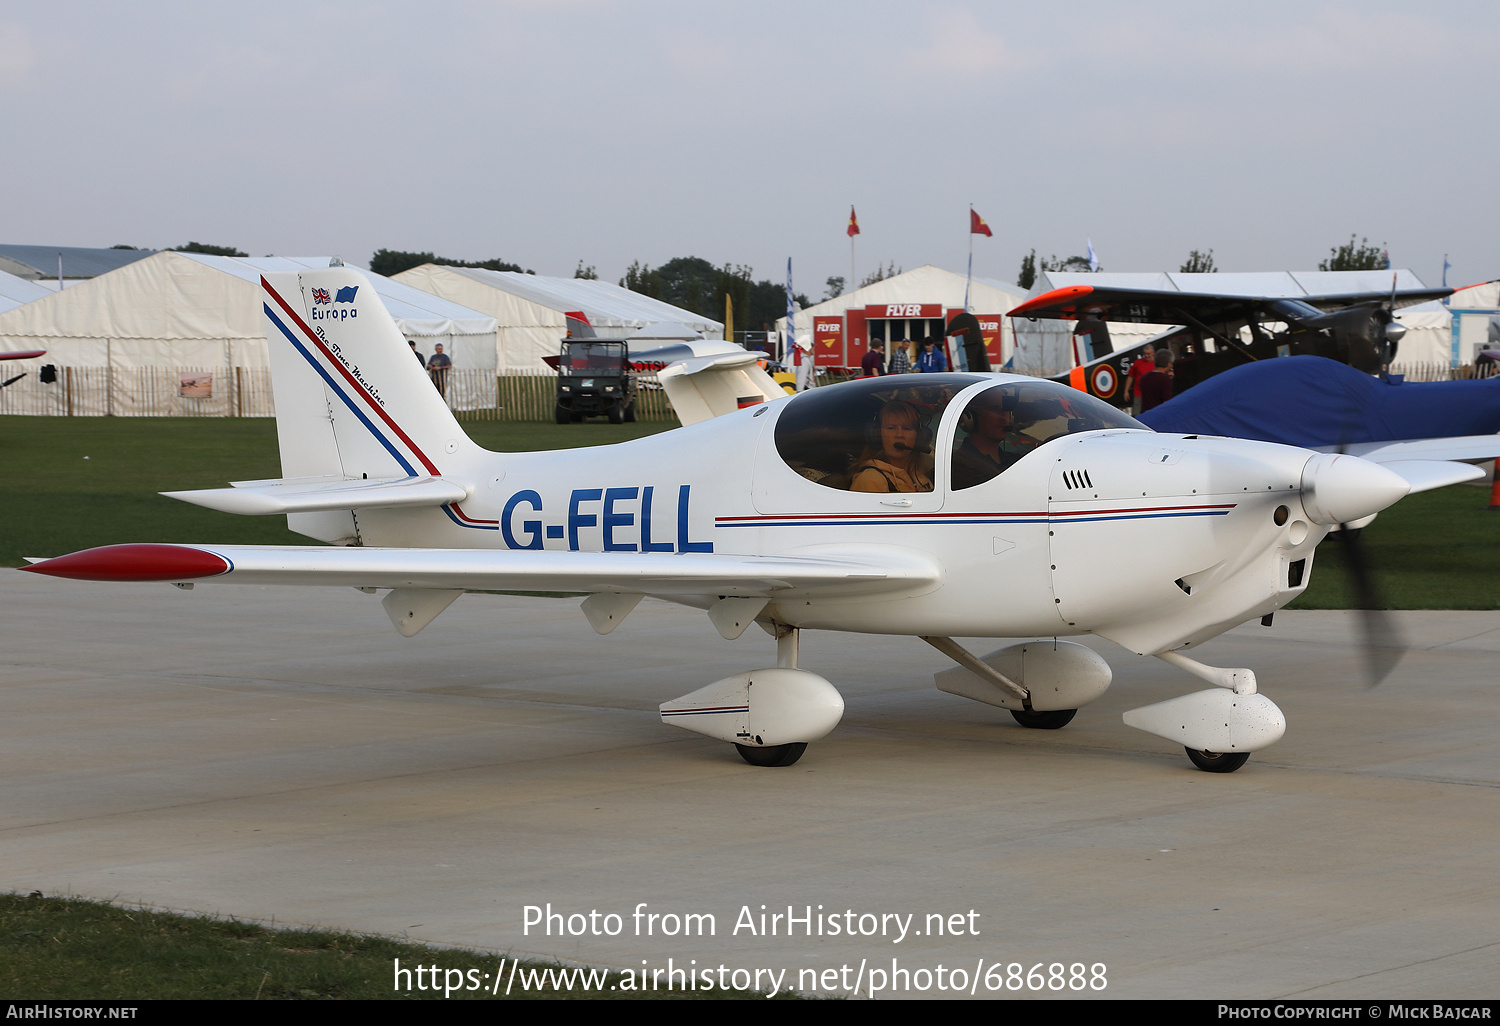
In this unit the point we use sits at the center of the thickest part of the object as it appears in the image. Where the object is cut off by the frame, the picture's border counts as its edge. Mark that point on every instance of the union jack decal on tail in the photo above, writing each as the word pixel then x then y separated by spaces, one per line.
pixel 321 296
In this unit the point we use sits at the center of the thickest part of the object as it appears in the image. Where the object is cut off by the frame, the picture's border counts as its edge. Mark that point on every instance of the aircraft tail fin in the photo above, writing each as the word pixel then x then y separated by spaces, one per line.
pixel 352 402
pixel 703 387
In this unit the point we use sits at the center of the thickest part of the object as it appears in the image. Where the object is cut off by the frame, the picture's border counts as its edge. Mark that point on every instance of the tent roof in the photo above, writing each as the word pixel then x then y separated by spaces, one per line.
pixel 1275 284
pixel 188 296
pixel 417 312
pixel 15 291
pixel 605 304
pixel 77 262
pixel 932 284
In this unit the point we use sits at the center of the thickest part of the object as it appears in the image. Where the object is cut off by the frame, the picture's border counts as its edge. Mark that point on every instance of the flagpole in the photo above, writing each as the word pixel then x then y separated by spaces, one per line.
pixel 969 284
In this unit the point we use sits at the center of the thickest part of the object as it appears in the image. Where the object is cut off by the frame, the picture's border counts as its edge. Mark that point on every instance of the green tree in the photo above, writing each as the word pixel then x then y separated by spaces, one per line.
pixel 1356 257
pixel 588 273
pixel 1032 268
pixel 203 247
pixel 640 278
pixel 393 261
pixel 1072 263
pixel 835 288
pixel 124 247
pixel 768 303
pixel 880 274
pixel 690 282
pixel 1199 263
pixel 697 285
pixel 1027 277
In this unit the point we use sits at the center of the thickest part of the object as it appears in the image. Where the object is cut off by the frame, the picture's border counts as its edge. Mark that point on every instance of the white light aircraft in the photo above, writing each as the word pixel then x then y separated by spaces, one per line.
pixel 926 505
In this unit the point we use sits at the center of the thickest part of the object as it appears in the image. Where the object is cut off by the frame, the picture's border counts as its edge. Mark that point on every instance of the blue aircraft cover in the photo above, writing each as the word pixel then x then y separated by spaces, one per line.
pixel 1312 401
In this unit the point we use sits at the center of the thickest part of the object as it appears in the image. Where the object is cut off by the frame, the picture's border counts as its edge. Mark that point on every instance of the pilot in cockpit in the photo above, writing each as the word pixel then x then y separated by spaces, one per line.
pixel 994 421
pixel 898 452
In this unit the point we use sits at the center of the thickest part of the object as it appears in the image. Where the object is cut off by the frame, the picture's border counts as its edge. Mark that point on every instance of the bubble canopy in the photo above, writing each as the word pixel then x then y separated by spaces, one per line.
pixel 881 434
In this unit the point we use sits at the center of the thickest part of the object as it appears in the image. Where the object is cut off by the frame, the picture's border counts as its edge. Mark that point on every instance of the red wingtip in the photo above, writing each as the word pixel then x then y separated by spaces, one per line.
pixel 1071 294
pixel 139 562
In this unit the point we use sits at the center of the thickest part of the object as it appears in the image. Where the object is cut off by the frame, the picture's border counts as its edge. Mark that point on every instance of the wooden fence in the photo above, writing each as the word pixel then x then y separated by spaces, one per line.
pixel 142 392
pixel 1442 372
pixel 470 394
pixel 246 392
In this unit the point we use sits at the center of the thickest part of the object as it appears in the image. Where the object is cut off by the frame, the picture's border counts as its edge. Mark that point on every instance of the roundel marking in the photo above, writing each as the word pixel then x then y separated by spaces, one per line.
pixel 1104 381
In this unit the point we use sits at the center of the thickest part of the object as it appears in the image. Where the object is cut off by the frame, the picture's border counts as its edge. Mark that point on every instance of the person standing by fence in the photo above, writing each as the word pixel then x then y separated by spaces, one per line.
pixel 438 366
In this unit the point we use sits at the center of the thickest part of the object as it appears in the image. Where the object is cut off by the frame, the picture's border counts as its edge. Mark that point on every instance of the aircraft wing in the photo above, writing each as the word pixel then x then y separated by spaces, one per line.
pixel 1425 475
pixel 503 569
pixel 1161 306
pixel 1470 448
pixel 1428 463
pixel 1403 298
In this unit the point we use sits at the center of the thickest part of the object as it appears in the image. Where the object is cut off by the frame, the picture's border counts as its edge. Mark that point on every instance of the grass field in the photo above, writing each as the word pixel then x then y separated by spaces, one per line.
pixel 75 482
pixel 71 483
pixel 55 948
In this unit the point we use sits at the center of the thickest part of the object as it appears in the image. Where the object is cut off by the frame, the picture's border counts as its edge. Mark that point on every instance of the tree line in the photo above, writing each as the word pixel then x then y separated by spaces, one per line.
pixel 1352 256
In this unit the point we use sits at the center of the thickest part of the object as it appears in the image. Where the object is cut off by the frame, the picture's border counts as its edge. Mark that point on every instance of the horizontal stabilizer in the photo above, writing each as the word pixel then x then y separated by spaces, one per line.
pixel 258 498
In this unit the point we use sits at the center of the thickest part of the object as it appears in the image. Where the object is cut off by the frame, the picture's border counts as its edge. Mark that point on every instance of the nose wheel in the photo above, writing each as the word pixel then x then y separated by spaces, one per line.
pixel 1050 720
pixel 1218 762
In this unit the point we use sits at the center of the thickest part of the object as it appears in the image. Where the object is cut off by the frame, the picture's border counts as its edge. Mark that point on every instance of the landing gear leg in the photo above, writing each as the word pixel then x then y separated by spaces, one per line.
pixel 786 646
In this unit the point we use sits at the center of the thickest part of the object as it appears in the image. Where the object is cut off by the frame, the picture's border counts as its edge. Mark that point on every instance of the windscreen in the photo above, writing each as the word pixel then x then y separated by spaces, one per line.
pixel 1002 425
pixel 591 357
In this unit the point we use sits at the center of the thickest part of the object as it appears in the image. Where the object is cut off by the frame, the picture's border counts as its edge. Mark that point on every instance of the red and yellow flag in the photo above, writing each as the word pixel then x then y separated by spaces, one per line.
pixel 853 224
pixel 977 225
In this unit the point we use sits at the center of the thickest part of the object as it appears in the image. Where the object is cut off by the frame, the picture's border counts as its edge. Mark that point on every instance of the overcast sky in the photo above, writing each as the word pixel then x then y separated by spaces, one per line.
pixel 547 132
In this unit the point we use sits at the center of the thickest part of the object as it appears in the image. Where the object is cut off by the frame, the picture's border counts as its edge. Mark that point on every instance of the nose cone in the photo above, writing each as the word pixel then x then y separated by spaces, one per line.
pixel 1338 489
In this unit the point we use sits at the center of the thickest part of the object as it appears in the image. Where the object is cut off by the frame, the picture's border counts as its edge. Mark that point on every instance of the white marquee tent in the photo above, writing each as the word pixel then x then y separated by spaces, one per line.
pixel 529 308
pixel 192 310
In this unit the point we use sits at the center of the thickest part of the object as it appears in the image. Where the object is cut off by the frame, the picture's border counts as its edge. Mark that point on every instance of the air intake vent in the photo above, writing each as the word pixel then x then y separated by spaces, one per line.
pixel 1077 479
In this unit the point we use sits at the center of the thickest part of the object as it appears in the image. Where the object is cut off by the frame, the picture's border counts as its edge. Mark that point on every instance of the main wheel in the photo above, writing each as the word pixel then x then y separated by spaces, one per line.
pixel 1051 720
pixel 617 413
pixel 1218 762
pixel 563 416
pixel 775 755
